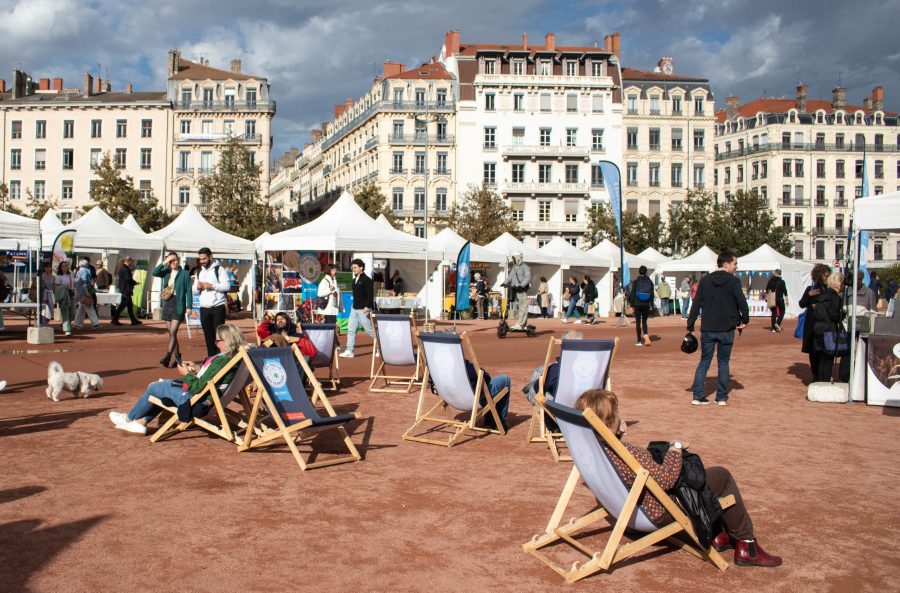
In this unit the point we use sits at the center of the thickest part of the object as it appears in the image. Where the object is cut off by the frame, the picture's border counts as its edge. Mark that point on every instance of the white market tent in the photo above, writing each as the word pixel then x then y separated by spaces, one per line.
pixel 877 213
pixel 50 223
pixel 13 226
pixel 578 263
pixel 541 264
pixel 98 232
pixel 258 244
pixel 610 250
pixel 796 273
pixel 131 224
pixel 190 232
pixel 702 260
pixel 654 255
pixel 382 220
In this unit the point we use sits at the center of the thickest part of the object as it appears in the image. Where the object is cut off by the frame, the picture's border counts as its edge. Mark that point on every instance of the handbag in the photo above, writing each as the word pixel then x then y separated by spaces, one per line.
pixel 801 323
pixel 87 301
pixel 837 342
pixel 770 300
pixel 169 289
pixel 322 302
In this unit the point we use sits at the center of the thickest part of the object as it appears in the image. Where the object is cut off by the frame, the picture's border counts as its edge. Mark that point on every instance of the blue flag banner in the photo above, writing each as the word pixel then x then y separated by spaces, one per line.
pixel 612 179
pixel 863 254
pixel 463 278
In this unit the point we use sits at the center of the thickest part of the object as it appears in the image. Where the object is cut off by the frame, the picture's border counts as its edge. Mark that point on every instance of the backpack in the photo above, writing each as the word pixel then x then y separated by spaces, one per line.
pixel 645 295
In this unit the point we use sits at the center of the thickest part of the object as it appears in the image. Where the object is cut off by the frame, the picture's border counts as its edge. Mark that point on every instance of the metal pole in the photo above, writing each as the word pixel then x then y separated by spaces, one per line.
pixel 427 275
pixel 850 393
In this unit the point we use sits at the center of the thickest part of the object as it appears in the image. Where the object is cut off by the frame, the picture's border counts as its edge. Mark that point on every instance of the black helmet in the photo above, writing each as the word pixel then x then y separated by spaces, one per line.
pixel 689 343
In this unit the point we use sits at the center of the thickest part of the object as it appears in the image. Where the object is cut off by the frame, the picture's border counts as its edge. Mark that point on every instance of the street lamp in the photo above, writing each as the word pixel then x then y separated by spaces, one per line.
pixel 425 225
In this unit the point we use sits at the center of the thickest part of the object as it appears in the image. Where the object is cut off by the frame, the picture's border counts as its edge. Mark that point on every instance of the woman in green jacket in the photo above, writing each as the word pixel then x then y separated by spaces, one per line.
pixel 176 298
pixel 229 341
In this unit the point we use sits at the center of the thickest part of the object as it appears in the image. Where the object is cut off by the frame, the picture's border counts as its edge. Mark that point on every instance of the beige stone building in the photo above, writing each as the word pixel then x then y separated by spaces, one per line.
pixel 805 156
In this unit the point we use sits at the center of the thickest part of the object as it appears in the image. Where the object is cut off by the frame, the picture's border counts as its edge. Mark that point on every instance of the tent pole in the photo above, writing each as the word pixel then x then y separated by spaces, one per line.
pixel 850 393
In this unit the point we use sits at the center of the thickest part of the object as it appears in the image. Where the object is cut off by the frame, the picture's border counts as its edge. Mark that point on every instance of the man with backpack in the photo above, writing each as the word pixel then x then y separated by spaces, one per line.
pixel 212 284
pixel 776 293
pixel 641 300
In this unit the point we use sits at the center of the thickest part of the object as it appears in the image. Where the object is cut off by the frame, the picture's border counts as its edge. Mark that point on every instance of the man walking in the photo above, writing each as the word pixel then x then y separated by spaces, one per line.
pixel 776 294
pixel 363 303
pixel 641 300
pixel 665 295
pixel 724 310
pixel 125 283
pixel 212 283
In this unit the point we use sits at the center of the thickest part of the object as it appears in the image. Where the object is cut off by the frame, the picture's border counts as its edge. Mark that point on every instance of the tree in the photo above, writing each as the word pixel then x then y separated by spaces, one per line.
pixel 751 223
pixel 691 224
pixel 370 199
pixel 232 195
pixel 38 207
pixel 117 196
pixel 480 215
pixel 5 204
pixel 640 231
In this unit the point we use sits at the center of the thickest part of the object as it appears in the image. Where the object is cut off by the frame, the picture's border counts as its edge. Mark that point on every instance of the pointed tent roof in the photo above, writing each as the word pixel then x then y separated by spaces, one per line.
pixel 13 226
pixel 346 227
pixel 765 258
pixel 653 255
pixel 191 232
pixel 449 242
pixel 509 245
pixel 608 249
pixel 382 220
pixel 98 231
pixel 702 260
pixel 572 256
pixel 258 243
pixel 132 225
pixel 50 222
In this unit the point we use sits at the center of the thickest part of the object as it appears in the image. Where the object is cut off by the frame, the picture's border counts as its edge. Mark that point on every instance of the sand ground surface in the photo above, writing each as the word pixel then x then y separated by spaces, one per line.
pixel 85 507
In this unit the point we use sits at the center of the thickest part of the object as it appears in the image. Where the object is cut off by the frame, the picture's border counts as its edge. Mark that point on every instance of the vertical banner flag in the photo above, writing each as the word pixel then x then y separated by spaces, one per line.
pixel 863 254
pixel 612 178
pixel 63 248
pixel 463 278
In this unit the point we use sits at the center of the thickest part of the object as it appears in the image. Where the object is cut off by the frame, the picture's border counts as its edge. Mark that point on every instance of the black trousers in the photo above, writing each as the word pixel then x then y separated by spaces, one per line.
pixel 641 313
pixel 777 313
pixel 210 319
pixel 126 305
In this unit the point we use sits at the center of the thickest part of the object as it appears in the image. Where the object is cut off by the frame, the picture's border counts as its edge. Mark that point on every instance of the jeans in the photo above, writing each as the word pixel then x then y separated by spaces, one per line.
pixel 573 309
pixel 641 313
pixel 144 409
pixel 210 319
pixel 684 307
pixel 496 386
pixel 664 306
pixel 358 318
pixel 708 341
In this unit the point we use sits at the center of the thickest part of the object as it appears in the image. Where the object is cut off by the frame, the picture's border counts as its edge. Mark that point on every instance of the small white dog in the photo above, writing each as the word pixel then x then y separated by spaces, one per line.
pixel 79 383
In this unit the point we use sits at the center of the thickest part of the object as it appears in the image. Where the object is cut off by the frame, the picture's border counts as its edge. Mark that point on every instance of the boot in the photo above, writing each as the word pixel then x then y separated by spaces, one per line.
pixel 748 552
pixel 164 361
pixel 723 542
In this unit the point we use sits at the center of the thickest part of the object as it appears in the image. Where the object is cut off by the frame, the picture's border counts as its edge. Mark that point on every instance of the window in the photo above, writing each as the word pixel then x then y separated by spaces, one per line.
pixel 398 97
pixel 68 158
pixel 442 130
pixel 859 169
pixel 839 141
pixel 490 174
pixel 820 221
pixel 398 129
pixel 518 136
pixel 632 173
pixel 66 189
pixel 40 129
pixel 251 97
pixel 518 172
pixel 597 103
pixel 15 159
pixel 755 171
pixel 879 250
pixel 545 172
pixel 632 104
pixel 820 196
pixel 397 199
pixel 120 158
pixel 677 139
pixel 654 138
pixel 229 98
pixel 544 210
pixel 570 210
pixel 489 66
pixel 489 101
pixel 839 169
pixel 145 158
pixel 596 176
pixel 545 67
pixel 206 162
pixel 250 129
pixel 441 162
pixel 40 159
pixel 441 97
pixel 597 68
pixel 839 222
pixel 655 208
pixel 420 97
pixel 398 163
pixel 763 169
pixel 820 169
pixel 654 174
pixel 518 67
pixel 184 195
pixel 571 103
pixel 15 190
pixel 545 102
pixel 698 105
pixel 698 139
pixel 571 173
pixel 96 128
pixel 798 195
pixel 839 196
pixel 490 137
pixel 185 98
pixel 676 105
pixel 146 128
pixel 571 137
pixel 571 68
pixel 440 199
pixel 40 191
pixel 798 168
pixel 121 128
pixel 228 127
pixel 518 210
pixel 206 126
pixel 879 169
pixel 251 160
pixel 597 139
pixel 631 206
pixel 545 137
pixel 145 189
pixel 420 163
pixel 786 168
pixel 518 102
pixel 419 231
pixel 786 220
pixel 95 157
pixel 786 195
pixel 421 130
pixel 69 128
pixel 839 250
pixel 15 131
pixel 654 104
pixel 419 200
pixel 632 136
pixel 699 176
pixel 676 175
pixel 798 222
pixel 185 126
pixel 820 249
pixel 207 97
pixel 184 161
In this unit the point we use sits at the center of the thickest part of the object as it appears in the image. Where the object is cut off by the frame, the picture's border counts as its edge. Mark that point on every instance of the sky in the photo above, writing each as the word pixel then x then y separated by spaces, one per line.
pixel 315 54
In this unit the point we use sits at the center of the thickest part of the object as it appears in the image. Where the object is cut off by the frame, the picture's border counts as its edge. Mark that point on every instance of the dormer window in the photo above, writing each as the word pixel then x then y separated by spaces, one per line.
pixel 792 117
pixel 859 118
pixel 820 117
pixel 571 68
pixel 489 66
pixel 839 117
pixel 545 67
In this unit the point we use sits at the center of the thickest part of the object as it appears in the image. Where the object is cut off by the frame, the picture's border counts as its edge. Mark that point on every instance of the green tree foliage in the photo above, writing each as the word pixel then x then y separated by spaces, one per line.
pixel 232 195
pixel 370 199
pixel 640 231
pixel 39 207
pixel 117 196
pixel 5 204
pixel 480 215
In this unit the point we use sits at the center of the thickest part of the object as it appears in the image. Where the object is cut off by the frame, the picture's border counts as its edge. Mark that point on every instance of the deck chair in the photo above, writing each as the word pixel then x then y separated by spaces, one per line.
pixel 585 433
pixel 395 345
pixel 583 365
pixel 282 409
pixel 445 365
pixel 325 337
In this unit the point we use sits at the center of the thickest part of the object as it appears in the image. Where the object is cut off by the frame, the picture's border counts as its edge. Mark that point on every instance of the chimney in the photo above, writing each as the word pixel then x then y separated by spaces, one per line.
pixel 867 103
pixel 316 135
pixel 58 84
pixel 99 88
pixel 393 68
pixel 607 43
pixel 617 45
pixel 801 97
pixel 550 41
pixel 107 86
pixel 524 40
pixel 2 85
pixel 44 84
pixel 451 43
pixel 235 65
pixel 839 98
pixel 129 89
pixel 731 107
pixel 174 62
pixel 878 98
pixel 88 87
pixel 338 110
pixel 348 103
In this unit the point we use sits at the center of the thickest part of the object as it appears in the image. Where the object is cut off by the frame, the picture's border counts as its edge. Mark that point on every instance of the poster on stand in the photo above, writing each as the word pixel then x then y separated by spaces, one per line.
pixel 193 316
pixel 883 371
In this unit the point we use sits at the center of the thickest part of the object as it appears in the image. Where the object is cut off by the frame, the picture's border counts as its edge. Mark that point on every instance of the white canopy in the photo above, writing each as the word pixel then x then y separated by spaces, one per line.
pixel 382 220
pixel 50 223
pixel 190 232
pixel 446 245
pixel 258 244
pixel 509 245
pixel 573 257
pixel 132 225
pixel 653 255
pixel 345 227
pixel 877 213
pixel 13 226
pixel 610 250
pixel 98 232
pixel 702 260
pixel 796 273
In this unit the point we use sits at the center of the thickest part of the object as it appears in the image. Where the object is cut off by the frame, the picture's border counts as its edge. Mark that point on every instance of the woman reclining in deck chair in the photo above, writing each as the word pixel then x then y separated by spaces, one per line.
pixel 738 531
pixel 229 341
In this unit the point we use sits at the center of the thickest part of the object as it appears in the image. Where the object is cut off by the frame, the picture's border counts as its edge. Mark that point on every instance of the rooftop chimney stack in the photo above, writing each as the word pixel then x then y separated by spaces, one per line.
pixel 731 107
pixel 617 45
pixel 393 68
pixel 348 103
pixel 88 87
pixel 58 84
pixel 107 86
pixel 174 62
pixel 839 98
pixel 129 89
pixel 44 84
pixel 235 65
pixel 316 134
pixel 867 103
pixel 801 97
pixel 550 41
pixel 878 98
pixel 338 110
pixel 524 40
pixel 451 43
pixel 2 85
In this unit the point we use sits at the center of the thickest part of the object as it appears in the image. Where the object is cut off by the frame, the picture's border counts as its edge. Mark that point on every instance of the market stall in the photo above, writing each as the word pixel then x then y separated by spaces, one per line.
pixel 654 255
pixel 754 271
pixel 608 249
pixel 540 263
pixel 19 247
pixel 674 271
pixel 574 262
pixel 50 223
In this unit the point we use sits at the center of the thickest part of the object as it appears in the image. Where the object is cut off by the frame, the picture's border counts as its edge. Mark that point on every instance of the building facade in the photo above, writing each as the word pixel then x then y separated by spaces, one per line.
pixel 806 158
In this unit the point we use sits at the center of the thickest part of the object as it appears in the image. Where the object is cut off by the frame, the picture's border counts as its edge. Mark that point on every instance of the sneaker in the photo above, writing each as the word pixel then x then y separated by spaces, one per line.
pixel 577 322
pixel 133 426
pixel 118 418
pixel 346 354
pixel 774 331
pixel 699 402
pixel 721 402
pixel 2 385
pixel 565 320
pixel 777 328
pixel 638 343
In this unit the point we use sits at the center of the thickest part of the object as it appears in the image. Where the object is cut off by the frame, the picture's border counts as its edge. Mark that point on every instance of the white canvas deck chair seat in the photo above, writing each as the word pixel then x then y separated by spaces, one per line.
pixel 324 337
pixel 282 409
pixel 585 433
pixel 395 337
pixel 583 365
pixel 445 366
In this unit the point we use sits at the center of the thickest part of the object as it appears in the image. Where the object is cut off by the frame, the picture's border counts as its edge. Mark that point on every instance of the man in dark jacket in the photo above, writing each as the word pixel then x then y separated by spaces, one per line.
pixel 125 283
pixel 724 310
pixel 641 300
pixel 363 304
pixel 776 286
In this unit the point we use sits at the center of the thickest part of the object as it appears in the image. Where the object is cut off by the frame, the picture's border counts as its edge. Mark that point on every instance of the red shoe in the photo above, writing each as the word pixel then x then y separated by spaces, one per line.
pixel 748 552
pixel 723 542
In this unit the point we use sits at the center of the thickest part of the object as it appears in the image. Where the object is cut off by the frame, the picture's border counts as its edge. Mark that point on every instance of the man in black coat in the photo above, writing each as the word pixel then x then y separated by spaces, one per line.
pixel 776 286
pixel 125 283
pixel 363 304
pixel 724 310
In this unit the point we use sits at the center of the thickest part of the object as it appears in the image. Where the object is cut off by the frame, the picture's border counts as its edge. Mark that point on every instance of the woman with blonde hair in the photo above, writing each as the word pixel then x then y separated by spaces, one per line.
pixel 738 527
pixel 229 341
pixel 826 316
pixel 820 274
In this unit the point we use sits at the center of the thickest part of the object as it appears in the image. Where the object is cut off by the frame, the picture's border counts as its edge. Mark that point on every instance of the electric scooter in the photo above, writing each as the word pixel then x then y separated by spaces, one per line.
pixel 504 328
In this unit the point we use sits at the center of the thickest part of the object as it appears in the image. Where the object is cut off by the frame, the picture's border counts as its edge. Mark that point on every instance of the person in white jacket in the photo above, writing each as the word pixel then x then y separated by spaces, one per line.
pixel 328 288
pixel 211 283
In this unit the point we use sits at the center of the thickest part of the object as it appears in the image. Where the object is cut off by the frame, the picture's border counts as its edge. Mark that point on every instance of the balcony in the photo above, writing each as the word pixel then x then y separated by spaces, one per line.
pixel 206 170
pixel 828 232
pixel 202 208
pixel 795 203
pixel 218 138
pixel 422 106
pixel 841 203
pixel 419 213
pixel 846 147
pixel 184 171
pixel 553 226
pixel 821 203
pixel 232 106
pixel 443 171
pixel 536 152
pixel 372 143
pixel 395 171
pixel 421 139
pixel 547 80
pixel 547 188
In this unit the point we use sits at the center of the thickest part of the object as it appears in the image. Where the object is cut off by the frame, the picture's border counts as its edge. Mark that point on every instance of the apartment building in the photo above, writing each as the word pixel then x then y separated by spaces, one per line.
pixel 532 122
pixel 669 126
pixel 806 158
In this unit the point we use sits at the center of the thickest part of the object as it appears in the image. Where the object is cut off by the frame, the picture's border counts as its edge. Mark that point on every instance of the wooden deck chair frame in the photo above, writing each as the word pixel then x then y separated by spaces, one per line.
pixel 334 369
pixel 376 374
pixel 260 433
pixel 537 428
pixel 425 417
pixel 612 553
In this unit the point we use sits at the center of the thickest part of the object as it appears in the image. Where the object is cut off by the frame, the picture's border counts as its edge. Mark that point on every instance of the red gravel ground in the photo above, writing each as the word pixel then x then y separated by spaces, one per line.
pixel 84 507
